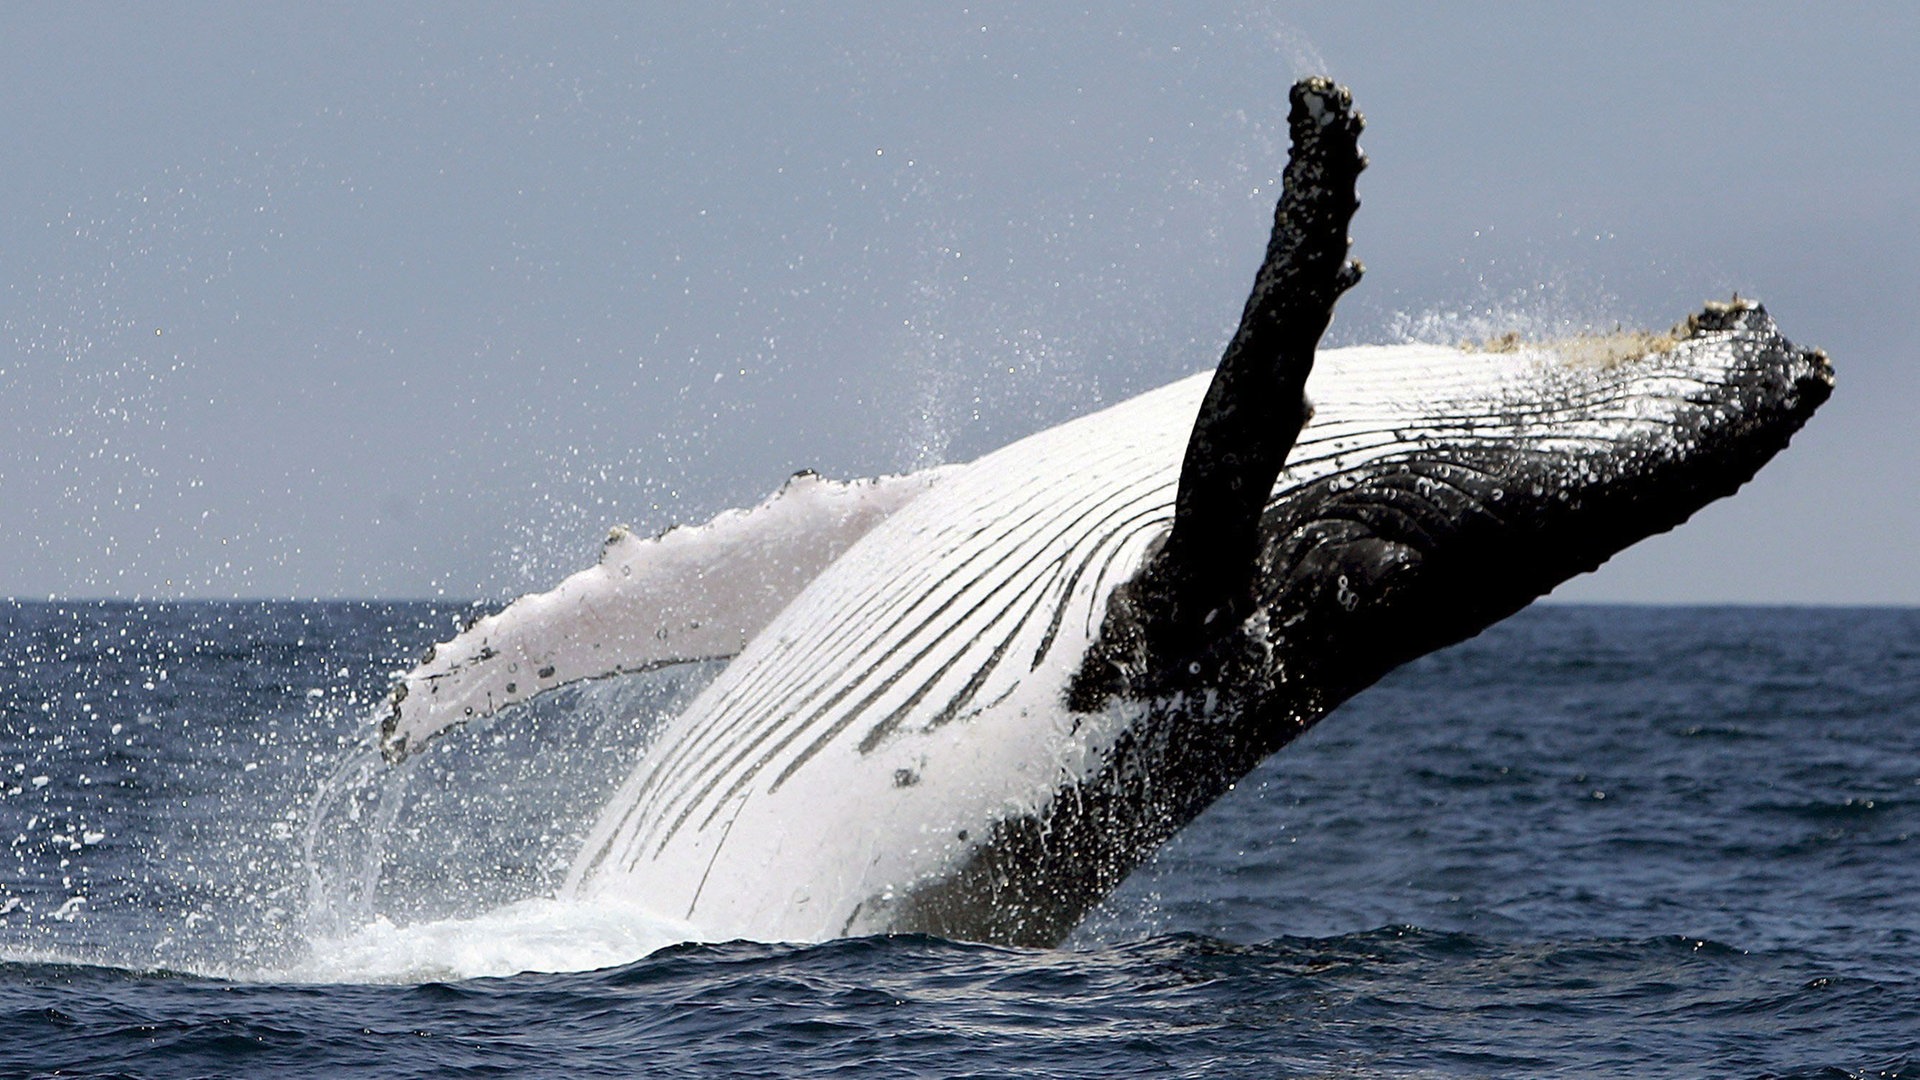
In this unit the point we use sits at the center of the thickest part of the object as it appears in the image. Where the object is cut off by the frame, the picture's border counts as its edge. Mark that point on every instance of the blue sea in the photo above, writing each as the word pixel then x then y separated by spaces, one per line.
pixel 1593 841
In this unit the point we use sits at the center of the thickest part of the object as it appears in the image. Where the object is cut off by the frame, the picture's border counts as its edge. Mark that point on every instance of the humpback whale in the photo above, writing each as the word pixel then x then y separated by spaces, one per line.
pixel 968 701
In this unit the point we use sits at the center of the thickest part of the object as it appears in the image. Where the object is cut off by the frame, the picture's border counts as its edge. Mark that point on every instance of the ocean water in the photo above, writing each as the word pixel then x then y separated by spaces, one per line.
pixel 1591 842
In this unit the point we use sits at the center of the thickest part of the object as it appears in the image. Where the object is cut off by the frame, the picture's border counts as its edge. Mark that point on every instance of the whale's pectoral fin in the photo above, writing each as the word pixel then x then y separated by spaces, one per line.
pixel 688 594
pixel 1200 584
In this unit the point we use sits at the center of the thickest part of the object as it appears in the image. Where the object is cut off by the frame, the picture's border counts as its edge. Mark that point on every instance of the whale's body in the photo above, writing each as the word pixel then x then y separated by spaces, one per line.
pixel 969 702
pixel 934 720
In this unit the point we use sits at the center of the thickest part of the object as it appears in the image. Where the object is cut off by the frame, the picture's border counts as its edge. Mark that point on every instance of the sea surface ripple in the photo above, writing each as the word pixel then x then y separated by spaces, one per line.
pixel 1594 841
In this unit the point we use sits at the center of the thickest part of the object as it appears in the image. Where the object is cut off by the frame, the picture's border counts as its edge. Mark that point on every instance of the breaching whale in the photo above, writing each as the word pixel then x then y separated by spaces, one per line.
pixel 969 701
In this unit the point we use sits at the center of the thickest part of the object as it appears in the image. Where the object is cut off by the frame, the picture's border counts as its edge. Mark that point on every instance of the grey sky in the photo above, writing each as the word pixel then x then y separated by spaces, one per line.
pixel 401 300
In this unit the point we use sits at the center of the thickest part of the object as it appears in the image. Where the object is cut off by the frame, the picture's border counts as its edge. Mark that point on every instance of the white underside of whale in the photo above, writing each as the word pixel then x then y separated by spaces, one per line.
pixel 904 646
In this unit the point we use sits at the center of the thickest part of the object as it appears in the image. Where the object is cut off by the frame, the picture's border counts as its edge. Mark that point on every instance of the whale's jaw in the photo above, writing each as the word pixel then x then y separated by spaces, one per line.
pixel 1428 550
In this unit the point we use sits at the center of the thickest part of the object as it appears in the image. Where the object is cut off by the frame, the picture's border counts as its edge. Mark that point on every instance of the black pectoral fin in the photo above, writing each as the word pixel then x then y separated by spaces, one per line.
pixel 1200 584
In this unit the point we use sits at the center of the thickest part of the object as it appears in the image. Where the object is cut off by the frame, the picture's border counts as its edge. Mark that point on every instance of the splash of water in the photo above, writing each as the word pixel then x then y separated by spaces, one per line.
pixel 450 865
pixel 1548 310
pixel 536 934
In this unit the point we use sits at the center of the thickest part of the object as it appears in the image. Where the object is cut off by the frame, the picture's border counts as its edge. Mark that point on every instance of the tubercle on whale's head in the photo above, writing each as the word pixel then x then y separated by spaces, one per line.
pixel 1364 570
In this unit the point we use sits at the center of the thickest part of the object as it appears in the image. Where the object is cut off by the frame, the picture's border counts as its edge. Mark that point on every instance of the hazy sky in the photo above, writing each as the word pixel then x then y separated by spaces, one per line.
pixel 403 300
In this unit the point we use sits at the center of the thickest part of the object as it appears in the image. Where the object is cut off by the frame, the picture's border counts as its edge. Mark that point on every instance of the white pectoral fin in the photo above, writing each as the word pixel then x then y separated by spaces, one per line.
pixel 688 594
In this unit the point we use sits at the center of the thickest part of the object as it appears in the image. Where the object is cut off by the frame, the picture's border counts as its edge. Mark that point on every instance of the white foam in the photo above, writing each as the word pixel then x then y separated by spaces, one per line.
pixel 539 934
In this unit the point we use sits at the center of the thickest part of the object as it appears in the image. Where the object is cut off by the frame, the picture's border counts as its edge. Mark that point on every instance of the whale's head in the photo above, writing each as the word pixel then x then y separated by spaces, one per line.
pixel 1435 491
pixel 1430 500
